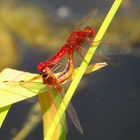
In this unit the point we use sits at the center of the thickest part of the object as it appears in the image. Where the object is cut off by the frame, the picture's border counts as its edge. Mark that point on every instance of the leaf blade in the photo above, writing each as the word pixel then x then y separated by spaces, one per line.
pixel 10 94
pixel 3 113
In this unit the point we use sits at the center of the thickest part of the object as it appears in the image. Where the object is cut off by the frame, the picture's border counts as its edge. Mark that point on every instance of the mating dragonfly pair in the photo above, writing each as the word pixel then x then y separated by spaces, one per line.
pixel 47 69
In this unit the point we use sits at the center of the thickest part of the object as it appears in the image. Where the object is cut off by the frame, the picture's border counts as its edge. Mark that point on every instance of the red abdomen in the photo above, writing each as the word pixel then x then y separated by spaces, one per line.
pixel 52 61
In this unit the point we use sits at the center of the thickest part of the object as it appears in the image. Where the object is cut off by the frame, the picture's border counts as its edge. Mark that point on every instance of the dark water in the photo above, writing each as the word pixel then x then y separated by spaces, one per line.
pixel 109 107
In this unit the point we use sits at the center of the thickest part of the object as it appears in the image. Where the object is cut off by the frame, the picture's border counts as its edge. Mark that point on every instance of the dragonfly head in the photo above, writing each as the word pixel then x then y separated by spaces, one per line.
pixel 43 69
pixel 40 67
pixel 49 77
pixel 89 31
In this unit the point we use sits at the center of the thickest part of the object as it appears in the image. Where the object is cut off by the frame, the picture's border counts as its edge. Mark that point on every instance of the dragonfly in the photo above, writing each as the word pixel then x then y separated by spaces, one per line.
pixel 81 36
pixel 73 43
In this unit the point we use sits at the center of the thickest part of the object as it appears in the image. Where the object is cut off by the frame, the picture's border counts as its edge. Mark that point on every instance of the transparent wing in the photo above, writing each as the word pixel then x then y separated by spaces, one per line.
pixel 73 116
pixel 113 49
pixel 104 48
pixel 103 52
pixel 86 21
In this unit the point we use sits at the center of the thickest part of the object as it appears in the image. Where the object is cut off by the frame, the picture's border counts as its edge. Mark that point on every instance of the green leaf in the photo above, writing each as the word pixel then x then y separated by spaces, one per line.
pixel 3 113
pixel 49 105
pixel 12 91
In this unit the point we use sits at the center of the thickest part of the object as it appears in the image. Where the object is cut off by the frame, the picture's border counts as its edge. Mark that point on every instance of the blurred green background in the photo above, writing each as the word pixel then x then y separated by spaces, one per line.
pixel 33 30
pixel 45 25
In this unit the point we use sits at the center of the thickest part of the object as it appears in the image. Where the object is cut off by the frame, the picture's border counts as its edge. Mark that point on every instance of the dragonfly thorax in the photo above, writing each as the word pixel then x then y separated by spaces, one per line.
pixel 90 32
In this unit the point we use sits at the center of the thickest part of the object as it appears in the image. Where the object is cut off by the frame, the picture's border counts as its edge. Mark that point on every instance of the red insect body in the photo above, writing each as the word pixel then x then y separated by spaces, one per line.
pixel 53 60
pixel 75 40
pixel 55 80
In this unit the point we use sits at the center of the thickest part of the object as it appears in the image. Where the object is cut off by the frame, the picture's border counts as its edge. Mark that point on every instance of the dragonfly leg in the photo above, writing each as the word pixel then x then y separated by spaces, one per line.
pixel 34 78
pixel 56 67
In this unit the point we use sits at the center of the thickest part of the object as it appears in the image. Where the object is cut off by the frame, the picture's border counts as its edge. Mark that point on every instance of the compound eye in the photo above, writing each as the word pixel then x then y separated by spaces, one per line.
pixel 40 66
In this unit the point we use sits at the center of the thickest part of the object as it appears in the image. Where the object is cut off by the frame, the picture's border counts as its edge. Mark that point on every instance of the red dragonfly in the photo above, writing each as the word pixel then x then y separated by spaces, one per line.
pixel 73 43
pixel 52 79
